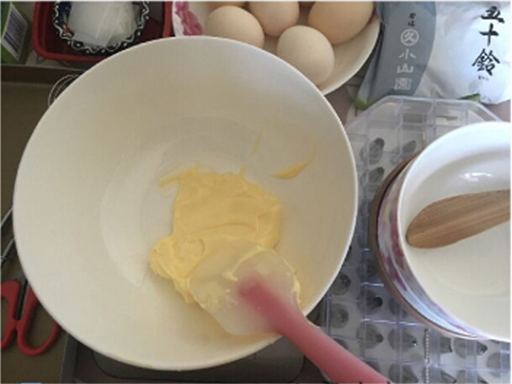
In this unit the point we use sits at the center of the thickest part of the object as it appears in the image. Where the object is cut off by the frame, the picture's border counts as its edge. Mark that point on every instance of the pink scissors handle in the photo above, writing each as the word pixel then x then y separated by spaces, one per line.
pixel 11 292
pixel 25 323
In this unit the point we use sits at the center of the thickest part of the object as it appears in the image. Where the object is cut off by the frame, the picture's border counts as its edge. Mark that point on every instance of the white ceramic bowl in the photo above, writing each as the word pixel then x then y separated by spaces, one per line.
pixel 88 209
pixel 464 287
pixel 189 17
pixel 470 279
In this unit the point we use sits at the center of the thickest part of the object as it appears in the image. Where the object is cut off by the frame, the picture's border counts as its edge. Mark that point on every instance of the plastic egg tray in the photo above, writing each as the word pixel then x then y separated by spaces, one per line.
pixel 359 312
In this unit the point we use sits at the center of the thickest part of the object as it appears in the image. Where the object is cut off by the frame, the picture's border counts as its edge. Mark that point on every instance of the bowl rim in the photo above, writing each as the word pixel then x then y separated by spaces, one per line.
pixel 105 349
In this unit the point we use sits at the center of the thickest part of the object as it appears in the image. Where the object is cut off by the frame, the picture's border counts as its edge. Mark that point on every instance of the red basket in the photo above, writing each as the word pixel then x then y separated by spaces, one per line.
pixel 49 45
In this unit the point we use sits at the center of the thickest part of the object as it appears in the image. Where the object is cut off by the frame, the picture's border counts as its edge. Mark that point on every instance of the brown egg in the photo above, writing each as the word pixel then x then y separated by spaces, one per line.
pixel 235 23
pixel 307 50
pixel 340 21
pixel 217 4
pixel 275 16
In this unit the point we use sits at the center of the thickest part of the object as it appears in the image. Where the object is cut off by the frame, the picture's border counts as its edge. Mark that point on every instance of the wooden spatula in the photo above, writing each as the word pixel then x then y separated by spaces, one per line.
pixel 449 220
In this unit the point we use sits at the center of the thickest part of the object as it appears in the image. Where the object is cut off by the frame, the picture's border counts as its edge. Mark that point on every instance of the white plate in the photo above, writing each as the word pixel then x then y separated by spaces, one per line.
pixel 349 56
pixel 88 209
pixel 471 278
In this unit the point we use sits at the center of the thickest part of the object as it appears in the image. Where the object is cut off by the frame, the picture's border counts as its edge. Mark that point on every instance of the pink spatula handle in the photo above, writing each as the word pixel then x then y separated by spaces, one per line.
pixel 286 319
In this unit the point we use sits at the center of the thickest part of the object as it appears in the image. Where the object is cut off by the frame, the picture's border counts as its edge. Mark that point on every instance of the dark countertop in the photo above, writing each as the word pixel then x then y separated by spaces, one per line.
pixel 24 100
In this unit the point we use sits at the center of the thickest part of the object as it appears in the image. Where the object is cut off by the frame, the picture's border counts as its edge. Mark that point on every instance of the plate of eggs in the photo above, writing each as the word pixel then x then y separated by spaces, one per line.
pixel 328 42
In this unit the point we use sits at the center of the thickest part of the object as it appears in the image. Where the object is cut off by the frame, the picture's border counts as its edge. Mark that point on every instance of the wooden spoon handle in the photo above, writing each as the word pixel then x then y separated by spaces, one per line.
pixel 455 218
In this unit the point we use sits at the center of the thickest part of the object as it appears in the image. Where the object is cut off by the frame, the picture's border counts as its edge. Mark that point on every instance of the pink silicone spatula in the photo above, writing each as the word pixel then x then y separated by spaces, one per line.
pixel 335 361
pixel 257 293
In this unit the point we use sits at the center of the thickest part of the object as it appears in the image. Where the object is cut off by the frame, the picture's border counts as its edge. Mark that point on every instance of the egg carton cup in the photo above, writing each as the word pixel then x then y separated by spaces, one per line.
pixel 359 311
